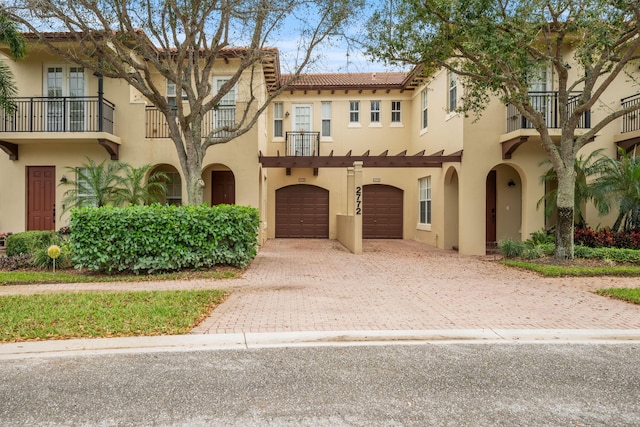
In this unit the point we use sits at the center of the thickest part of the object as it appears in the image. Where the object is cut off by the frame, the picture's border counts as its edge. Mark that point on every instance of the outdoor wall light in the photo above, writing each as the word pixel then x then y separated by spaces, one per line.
pixel 286 114
pixel 511 183
pixel 63 180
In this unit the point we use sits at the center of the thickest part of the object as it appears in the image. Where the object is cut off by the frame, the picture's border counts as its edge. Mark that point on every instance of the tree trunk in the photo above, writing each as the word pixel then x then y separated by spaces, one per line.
pixel 565 214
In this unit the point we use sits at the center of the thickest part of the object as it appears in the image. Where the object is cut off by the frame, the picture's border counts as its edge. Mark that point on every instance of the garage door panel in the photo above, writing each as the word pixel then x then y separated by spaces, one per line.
pixel 382 212
pixel 302 211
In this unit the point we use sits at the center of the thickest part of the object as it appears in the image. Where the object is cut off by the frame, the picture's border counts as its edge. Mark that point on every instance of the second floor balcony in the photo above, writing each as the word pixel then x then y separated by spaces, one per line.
pixel 302 143
pixel 75 119
pixel 59 114
pixel 224 116
pixel 546 103
pixel 629 136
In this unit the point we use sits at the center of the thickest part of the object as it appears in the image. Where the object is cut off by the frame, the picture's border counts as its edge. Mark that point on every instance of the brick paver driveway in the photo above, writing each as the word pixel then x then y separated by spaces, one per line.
pixel 317 285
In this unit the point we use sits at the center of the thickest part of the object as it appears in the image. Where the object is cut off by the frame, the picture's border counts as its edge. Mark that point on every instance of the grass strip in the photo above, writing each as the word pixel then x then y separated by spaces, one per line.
pixel 625 294
pixel 106 314
pixel 577 271
pixel 41 277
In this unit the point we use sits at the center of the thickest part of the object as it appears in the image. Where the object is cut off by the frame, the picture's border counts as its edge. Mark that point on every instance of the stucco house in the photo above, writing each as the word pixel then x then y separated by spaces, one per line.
pixel 341 156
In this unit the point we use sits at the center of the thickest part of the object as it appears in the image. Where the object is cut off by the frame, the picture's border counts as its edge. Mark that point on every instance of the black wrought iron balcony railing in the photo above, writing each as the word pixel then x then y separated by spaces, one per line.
pixel 301 143
pixel 547 103
pixel 59 114
pixel 221 117
pixel 631 121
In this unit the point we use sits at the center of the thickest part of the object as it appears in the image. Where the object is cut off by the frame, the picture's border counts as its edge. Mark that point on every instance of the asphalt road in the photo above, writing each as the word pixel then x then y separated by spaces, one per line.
pixel 412 385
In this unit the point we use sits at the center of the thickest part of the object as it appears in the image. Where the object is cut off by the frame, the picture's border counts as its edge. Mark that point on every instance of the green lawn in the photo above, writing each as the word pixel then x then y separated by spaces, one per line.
pixel 107 314
pixel 631 295
pixel 562 270
pixel 39 277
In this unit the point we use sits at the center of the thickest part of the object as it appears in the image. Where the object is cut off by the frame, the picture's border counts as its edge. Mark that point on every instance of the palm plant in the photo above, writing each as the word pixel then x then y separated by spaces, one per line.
pixel 135 188
pixel 619 184
pixel 10 36
pixel 95 185
pixel 585 168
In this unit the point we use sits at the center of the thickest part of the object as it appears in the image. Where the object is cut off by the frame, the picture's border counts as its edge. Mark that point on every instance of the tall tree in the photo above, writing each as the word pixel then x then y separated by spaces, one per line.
pixel 498 47
pixel 11 36
pixel 180 40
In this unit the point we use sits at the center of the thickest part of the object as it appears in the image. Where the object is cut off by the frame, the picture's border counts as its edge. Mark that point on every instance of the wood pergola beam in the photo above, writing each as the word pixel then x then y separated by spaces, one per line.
pixel 368 161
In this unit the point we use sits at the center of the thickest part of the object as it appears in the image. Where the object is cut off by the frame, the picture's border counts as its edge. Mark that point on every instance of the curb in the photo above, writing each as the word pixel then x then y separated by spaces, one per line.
pixel 252 340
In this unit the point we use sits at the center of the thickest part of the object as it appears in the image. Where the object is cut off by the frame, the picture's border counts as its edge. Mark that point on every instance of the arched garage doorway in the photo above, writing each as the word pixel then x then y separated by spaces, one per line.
pixel 382 211
pixel 302 211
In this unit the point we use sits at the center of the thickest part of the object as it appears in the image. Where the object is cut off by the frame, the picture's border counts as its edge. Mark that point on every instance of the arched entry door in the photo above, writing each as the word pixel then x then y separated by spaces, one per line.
pixel 382 211
pixel 302 211
pixel 223 188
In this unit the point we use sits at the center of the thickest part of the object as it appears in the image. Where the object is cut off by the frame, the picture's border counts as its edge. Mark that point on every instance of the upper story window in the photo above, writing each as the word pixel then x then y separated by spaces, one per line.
pixel 354 112
pixel 172 98
pixel 278 116
pixel 396 112
pixel 375 111
pixel 424 204
pixel 326 119
pixel 425 110
pixel 453 92
pixel 229 98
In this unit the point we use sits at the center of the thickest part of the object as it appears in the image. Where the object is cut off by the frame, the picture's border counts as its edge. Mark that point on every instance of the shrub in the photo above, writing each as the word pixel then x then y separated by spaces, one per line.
pixel 607 238
pixel 621 255
pixel 42 259
pixel 29 241
pixel 511 248
pixel 161 238
pixel 15 262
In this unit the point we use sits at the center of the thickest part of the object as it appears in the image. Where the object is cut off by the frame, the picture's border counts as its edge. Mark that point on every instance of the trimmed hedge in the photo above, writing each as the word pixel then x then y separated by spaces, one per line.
pixel 162 238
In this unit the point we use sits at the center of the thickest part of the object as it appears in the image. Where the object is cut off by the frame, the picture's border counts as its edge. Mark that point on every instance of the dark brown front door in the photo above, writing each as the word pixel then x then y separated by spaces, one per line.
pixel 382 212
pixel 41 197
pixel 302 211
pixel 491 206
pixel 223 188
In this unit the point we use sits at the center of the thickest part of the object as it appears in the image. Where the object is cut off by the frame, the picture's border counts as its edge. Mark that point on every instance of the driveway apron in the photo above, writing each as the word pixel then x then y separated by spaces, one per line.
pixel 318 285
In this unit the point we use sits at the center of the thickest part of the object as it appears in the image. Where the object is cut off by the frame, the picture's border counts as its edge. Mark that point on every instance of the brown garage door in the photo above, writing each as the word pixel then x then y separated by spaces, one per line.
pixel 382 212
pixel 302 211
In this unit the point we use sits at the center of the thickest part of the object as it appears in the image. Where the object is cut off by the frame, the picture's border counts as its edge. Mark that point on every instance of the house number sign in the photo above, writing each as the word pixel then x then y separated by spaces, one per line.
pixel 358 200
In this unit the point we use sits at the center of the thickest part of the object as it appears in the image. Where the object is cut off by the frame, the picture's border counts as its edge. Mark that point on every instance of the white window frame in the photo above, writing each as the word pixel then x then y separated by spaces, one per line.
pixel 325 125
pixel 354 113
pixel 173 195
pixel 234 89
pixel 425 109
pixel 278 120
pixel 396 113
pixel 83 193
pixel 424 203
pixel 172 90
pixel 452 92
pixel 374 117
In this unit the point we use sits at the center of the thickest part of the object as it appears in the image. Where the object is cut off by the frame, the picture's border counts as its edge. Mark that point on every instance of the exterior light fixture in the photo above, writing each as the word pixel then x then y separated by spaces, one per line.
pixel 63 180
pixel 511 183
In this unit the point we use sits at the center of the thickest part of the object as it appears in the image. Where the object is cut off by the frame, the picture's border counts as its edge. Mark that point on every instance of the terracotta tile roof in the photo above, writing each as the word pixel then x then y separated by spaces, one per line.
pixel 374 80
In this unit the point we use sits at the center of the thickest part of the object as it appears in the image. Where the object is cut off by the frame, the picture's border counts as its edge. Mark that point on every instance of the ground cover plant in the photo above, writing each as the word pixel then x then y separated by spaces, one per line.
pixel 534 254
pixel 106 314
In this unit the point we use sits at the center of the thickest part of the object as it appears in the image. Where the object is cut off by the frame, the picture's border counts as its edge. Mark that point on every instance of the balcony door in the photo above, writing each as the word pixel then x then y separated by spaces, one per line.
pixel 62 112
pixel 302 142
